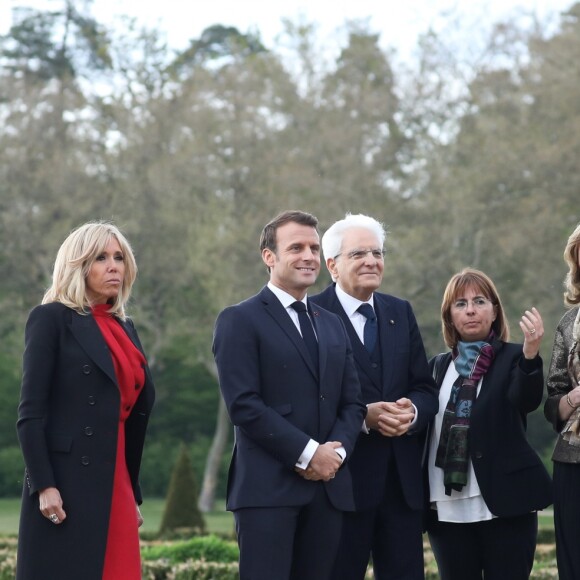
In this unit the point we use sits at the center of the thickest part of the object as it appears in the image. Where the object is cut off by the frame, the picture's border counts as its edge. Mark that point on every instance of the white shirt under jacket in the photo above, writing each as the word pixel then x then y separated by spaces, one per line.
pixel 467 505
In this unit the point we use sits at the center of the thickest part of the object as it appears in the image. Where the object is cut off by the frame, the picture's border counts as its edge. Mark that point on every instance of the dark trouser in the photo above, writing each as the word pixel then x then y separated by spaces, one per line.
pixel 567 519
pixel 289 543
pixel 391 533
pixel 498 549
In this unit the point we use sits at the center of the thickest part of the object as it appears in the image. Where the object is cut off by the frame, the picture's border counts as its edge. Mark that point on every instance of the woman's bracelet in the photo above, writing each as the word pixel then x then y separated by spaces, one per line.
pixel 570 402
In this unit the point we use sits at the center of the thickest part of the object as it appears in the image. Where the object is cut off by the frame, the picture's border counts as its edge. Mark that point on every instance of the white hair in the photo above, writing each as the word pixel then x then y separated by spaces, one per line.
pixel 332 238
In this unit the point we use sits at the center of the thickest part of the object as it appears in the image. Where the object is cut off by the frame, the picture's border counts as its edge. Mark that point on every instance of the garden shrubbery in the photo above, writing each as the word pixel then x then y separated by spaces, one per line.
pixel 209 548
pixel 7 558
pixel 214 558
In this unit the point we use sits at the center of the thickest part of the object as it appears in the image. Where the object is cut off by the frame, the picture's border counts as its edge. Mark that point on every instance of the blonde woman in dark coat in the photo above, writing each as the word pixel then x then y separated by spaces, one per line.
pixel 85 401
pixel 562 409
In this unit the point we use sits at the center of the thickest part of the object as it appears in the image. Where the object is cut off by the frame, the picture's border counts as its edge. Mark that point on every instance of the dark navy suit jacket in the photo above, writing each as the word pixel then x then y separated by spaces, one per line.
pixel 278 401
pixel 405 373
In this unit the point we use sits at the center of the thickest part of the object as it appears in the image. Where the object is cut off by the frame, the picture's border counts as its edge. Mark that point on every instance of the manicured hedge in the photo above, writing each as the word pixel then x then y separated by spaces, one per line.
pixel 209 548
pixel 213 558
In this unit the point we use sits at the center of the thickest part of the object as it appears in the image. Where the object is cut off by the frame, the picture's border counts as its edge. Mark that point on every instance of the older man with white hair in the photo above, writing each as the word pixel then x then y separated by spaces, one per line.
pixel 400 395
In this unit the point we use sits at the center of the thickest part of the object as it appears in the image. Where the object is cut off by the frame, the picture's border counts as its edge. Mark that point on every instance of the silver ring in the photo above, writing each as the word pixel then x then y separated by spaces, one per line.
pixel 53 518
pixel 532 330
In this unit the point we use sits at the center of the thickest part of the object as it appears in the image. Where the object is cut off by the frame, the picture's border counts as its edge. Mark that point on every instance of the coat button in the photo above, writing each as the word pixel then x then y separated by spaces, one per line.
pixel 322 397
pixel 91 400
pixel 85 460
pixel 88 431
pixel 86 370
pixel 478 455
pixel 374 365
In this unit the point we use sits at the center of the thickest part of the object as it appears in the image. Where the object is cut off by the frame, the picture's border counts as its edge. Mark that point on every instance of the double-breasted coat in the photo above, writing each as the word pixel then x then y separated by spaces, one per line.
pixel 67 426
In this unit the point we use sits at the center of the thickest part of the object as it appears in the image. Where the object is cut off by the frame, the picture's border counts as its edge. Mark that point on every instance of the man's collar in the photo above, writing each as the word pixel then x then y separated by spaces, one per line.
pixel 350 303
pixel 286 299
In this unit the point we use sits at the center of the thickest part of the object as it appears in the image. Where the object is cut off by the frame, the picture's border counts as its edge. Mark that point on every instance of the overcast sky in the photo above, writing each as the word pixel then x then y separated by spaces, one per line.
pixel 399 22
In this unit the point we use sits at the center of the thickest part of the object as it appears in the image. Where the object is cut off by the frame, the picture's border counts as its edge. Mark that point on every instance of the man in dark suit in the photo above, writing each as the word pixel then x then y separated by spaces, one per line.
pixel 401 400
pixel 296 406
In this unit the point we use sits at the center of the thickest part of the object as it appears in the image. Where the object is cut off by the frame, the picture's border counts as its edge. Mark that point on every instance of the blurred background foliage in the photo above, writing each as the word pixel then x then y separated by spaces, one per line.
pixel 469 157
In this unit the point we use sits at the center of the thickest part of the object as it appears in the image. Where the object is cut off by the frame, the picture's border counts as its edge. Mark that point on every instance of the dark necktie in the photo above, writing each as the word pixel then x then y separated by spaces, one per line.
pixel 307 331
pixel 370 331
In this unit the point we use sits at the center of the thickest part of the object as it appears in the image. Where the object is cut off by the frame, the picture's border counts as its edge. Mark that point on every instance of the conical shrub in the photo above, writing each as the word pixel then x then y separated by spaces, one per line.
pixel 181 515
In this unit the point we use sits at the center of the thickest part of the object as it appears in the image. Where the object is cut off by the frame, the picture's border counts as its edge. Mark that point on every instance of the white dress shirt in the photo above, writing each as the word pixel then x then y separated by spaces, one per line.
pixel 463 506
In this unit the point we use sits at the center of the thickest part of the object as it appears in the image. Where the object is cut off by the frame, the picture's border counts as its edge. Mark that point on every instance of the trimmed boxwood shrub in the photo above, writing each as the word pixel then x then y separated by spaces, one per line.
pixel 209 548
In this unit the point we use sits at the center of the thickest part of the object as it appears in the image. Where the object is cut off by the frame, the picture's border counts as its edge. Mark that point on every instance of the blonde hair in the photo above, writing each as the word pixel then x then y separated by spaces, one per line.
pixel 74 260
pixel 471 278
pixel 572 279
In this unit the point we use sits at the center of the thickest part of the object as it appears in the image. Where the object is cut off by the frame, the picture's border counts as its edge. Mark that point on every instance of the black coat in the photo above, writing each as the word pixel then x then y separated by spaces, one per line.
pixel 512 478
pixel 67 427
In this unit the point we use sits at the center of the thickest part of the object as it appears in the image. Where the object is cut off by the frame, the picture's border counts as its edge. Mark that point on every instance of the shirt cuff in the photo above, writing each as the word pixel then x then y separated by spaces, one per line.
pixel 364 427
pixel 414 421
pixel 307 454
pixel 416 415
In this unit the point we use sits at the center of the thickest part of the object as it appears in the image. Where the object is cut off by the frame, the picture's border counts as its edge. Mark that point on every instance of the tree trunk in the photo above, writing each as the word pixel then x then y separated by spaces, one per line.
pixel 215 454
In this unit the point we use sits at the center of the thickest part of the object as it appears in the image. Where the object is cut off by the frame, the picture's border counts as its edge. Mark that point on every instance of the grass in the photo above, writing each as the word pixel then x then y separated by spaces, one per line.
pixel 546 519
pixel 218 522
pixel 9 513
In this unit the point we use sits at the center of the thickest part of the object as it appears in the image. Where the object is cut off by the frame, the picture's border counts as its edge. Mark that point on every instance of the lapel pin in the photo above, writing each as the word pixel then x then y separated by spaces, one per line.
pixel 392 322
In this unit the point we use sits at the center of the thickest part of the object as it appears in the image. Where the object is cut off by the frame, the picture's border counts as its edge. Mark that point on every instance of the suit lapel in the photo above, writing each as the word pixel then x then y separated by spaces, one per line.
pixel 275 309
pixel 387 335
pixel 86 331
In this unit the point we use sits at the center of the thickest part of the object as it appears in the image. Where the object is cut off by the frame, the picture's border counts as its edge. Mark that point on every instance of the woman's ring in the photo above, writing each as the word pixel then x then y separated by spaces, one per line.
pixel 53 518
pixel 532 330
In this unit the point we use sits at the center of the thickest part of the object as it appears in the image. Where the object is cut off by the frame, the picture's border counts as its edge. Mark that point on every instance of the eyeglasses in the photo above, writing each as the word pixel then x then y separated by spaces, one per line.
pixel 479 303
pixel 361 254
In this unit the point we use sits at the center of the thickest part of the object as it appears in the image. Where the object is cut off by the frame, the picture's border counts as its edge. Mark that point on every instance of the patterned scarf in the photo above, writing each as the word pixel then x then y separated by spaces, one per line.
pixel 571 431
pixel 472 360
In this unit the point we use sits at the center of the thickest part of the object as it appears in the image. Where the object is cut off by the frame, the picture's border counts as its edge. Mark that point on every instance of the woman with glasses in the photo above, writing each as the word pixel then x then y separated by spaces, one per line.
pixel 562 409
pixel 485 481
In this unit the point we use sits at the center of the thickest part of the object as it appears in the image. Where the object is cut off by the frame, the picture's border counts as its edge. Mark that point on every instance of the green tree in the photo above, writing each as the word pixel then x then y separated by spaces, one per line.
pixel 181 511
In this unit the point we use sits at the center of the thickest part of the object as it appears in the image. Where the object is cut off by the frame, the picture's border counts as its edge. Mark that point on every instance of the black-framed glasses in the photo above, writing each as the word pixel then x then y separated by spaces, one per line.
pixel 361 254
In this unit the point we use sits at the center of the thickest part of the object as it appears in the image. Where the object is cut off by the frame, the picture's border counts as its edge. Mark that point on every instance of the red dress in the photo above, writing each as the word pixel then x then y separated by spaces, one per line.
pixel 122 556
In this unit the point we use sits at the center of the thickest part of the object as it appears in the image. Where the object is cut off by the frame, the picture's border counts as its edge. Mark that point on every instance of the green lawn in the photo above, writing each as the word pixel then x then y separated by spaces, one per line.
pixel 218 521
pixel 9 511
pixel 546 518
